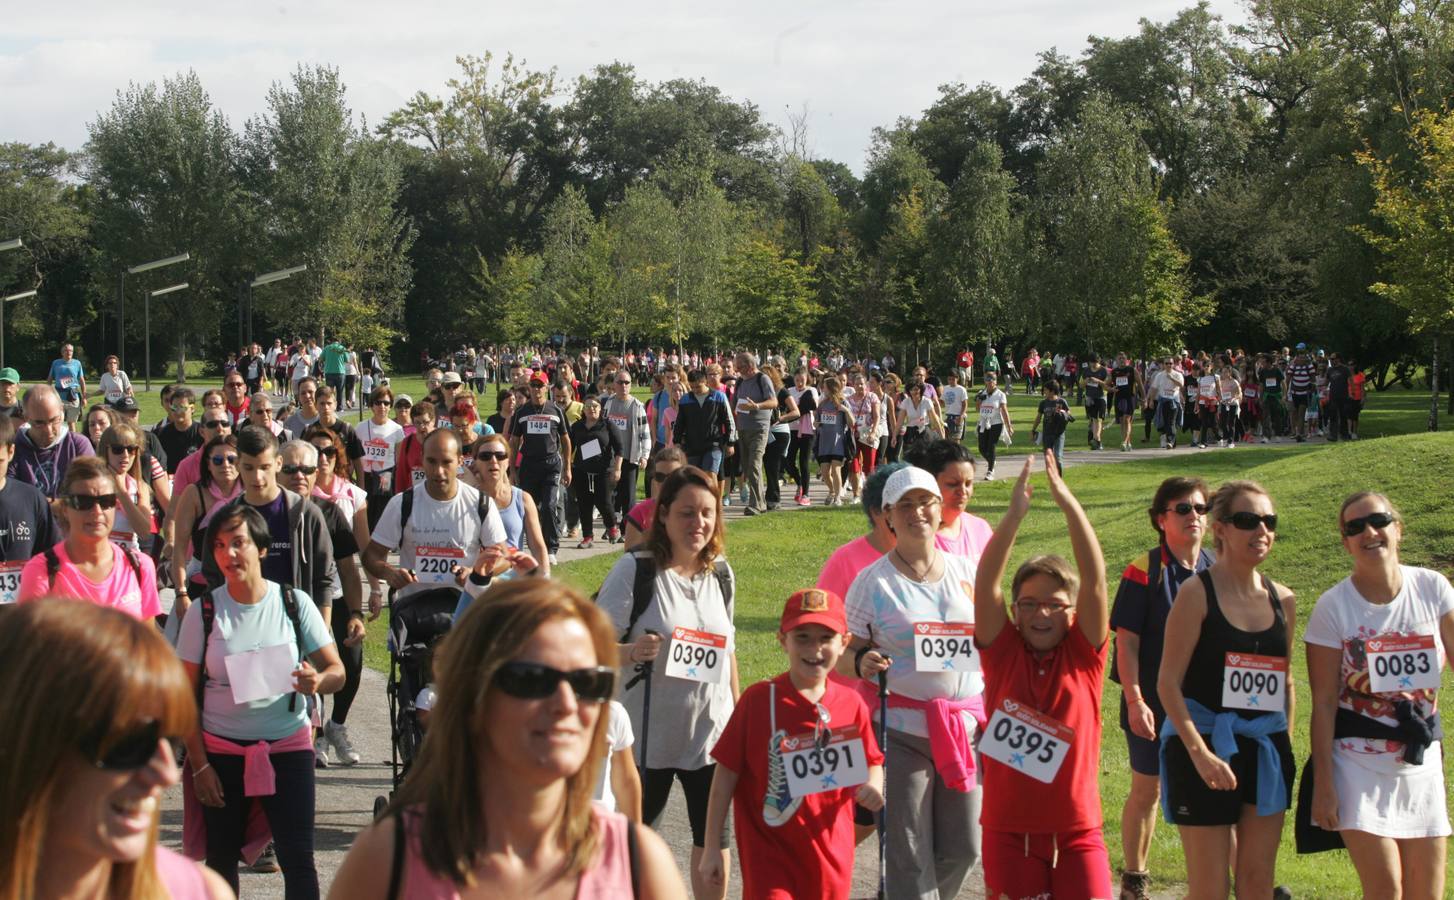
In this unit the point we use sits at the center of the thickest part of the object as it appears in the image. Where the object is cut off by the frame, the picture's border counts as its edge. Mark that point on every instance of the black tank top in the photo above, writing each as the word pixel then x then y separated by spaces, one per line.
pixel 1203 679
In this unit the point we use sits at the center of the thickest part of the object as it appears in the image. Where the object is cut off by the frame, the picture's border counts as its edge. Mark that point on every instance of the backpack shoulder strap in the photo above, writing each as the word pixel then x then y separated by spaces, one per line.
pixel 406 508
pixel 1153 569
pixel 643 589
pixel 724 579
pixel 135 560
pixel 209 615
pixel 290 605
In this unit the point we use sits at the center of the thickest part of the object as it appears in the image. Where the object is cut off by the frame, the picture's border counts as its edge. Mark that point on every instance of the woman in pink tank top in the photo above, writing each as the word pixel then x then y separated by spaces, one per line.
pixel 498 803
pixel 84 793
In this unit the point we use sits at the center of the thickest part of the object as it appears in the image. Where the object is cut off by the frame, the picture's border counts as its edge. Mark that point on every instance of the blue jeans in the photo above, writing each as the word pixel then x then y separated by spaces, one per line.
pixel 711 461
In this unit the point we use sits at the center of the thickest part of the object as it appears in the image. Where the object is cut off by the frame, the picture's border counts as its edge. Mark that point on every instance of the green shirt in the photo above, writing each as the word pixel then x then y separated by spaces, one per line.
pixel 335 359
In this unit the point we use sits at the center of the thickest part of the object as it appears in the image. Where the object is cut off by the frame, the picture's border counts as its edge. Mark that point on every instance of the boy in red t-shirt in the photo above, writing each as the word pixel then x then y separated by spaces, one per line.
pixel 797 752
pixel 1043 673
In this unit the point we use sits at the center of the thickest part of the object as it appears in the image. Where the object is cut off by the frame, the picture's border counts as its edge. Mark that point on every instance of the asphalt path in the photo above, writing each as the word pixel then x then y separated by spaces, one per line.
pixel 346 795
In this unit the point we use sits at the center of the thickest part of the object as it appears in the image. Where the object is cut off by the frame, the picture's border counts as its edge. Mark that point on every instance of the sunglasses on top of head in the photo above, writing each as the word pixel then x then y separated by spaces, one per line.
pixel 1246 521
pixel 1354 527
pixel 533 681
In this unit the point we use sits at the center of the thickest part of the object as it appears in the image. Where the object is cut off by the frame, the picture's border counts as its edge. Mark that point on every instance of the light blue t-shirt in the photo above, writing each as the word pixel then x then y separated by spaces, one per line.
pixel 66 377
pixel 237 628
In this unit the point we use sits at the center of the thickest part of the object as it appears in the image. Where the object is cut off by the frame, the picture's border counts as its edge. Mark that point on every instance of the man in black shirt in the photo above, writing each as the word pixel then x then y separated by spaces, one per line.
pixel 1123 387
pixel 1338 377
pixel 26 526
pixel 1095 377
pixel 540 438
pixel 179 435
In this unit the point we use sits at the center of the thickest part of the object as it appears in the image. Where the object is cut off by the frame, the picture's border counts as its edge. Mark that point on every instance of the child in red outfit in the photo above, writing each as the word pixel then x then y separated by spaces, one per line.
pixel 1043 676
pixel 797 752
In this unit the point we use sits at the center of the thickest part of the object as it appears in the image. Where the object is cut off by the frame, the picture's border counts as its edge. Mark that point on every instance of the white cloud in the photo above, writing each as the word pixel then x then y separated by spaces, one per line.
pixel 855 65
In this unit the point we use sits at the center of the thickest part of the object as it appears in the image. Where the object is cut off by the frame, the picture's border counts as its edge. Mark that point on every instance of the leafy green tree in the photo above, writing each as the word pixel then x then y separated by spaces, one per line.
pixel 771 303
pixel 575 291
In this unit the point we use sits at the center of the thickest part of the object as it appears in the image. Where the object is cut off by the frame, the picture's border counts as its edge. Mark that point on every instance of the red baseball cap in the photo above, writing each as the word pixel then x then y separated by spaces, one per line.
pixel 814 606
pixel 539 378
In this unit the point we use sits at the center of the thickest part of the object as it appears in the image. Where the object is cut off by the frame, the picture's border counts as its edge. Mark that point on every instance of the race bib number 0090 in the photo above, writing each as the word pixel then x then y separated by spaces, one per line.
pixel 697 656
pixel 435 565
pixel 1397 664
pixel 841 762
pixel 944 647
pixel 1258 683
pixel 1026 741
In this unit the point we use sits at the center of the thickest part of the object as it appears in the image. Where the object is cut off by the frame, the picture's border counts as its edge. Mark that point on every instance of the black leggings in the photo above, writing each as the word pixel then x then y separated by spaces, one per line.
pixel 989 440
pixel 352 663
pixel 592 490
pixel 289 811
pixel 696 787
pixel 800 454
pixel 772 463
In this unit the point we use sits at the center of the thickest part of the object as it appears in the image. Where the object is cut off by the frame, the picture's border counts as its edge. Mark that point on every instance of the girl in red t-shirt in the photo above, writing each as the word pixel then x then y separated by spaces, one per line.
pixel 1044 663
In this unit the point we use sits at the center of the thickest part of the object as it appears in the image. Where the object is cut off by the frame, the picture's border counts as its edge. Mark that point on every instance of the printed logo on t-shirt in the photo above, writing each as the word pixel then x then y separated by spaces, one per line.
pixel 778 803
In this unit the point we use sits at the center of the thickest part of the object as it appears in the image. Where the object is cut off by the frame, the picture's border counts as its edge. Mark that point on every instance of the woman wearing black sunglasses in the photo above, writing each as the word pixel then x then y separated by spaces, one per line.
pixel 1143 601
pixel 499 798
pixel 489 472
pixel 80 804
pixel 1226 759
pixel 218 484
pixel 87 565
pixel 1377 644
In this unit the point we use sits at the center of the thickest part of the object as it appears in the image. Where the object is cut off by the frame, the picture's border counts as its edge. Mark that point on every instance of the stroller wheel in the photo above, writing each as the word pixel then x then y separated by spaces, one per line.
pixel 380 804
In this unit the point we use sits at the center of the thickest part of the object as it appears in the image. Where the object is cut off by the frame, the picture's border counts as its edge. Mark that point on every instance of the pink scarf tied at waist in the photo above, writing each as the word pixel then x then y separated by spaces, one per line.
pixel 949 740
pixel 258 780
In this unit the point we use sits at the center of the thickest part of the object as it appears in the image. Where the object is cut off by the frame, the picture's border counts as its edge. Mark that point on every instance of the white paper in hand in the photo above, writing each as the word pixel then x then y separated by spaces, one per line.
pixel 261 674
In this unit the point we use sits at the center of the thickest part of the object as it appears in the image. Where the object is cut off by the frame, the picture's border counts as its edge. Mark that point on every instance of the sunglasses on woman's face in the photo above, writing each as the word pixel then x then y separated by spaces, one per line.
pixel 224 460
pixel 132 751
pixel 1246 521
pixel 329 452
pixel 215 423
pixel 497 455
pixel 1184 508
pixel 84 502
pixel 1354 527
pixel 532 681
pixel 119 449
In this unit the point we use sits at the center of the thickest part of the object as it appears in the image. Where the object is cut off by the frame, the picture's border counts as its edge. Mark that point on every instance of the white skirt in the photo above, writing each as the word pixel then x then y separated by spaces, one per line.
pixel 1410 804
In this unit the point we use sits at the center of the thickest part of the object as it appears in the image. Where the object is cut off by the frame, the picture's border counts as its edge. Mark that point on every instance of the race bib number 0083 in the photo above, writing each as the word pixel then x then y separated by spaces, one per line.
pixel 697 656
pixel 1399 664
pixel 1026 741
pixel 944 647
pixel 1254 682
pixel 841 762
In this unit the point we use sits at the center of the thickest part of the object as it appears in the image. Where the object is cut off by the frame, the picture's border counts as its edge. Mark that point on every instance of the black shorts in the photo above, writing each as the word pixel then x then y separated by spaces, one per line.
pixel 1302 400
pixel 1095 409
pixel 1145 754
pixel 1191 802
pixel 1125 406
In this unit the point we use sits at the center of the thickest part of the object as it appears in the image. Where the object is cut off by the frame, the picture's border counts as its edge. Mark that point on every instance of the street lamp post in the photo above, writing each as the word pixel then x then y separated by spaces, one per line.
pixel 149 295
pixel 3 301
pixel 121 315
pixel 268 278
pixel 12 244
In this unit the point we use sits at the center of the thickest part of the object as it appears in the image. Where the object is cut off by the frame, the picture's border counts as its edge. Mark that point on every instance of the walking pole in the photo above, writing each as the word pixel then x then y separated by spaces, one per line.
pixel 883 716
pixel 643 671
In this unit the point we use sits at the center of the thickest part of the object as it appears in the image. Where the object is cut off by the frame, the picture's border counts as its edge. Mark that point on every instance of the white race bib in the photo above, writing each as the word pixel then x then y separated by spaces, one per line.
pixel 416 476
pixel 1122 381
pixel 67 382
pixel 1258 683
pixel 697 656
pixel 944 647
pixel 618 422
pixel 10 580
pixel 1402 664
pixel 828 418
pixel 378 454
pixel 435 565
pixel 1026 741
pixel 841 763
pixel 538 424
pixel 1271 382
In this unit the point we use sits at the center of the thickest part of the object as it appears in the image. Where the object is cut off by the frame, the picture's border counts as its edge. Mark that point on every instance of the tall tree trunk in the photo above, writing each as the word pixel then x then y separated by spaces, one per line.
pixel 1434 388
pixel 182 358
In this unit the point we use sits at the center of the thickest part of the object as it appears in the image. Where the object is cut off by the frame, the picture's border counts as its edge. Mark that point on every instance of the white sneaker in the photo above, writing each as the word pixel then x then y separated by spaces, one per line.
pixel 551 557
pixel 337 735
pixel 990 475
pixel 1264 440
pixel 1232 446
pixel 320 751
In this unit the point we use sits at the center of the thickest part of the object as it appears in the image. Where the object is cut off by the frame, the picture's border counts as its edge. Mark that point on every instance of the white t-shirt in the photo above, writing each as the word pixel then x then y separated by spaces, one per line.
pixel 1167 384
pixel 954 398
pixel 989 408
pixel 1207 386
pixel 115 386
pixel 915 416
pixel 380 444
pixel 442 526
pixel 618 737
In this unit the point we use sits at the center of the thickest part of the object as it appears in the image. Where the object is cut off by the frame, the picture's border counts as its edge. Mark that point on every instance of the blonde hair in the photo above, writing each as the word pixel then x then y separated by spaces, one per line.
pixel 79 675
pixel 445 781
pixel 1049 565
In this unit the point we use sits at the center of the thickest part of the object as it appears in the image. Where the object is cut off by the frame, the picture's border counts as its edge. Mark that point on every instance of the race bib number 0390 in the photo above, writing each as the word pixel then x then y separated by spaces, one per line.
pixel 1258 683
pixel 1026 741
pixel 435 565
pixel 1397 664
pixel 697 656
pixel 841 762
pixel 944 647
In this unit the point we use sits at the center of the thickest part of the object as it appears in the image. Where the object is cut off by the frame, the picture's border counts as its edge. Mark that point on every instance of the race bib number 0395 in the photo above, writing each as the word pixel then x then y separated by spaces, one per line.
pixel 839 764
pixel 1026 741
pixel 1397 664
pixel 697 656
pixel 1254 682
pixel 944 647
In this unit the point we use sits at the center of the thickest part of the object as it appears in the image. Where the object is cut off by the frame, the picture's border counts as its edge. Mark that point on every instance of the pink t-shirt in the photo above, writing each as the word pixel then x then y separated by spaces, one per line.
pixel 974 534
pixel 189 470
pixel 838 573
pixel 120 589
pixel 181 876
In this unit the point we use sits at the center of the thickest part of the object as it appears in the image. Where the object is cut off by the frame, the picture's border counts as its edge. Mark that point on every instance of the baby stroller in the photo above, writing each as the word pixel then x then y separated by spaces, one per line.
pixel 417 623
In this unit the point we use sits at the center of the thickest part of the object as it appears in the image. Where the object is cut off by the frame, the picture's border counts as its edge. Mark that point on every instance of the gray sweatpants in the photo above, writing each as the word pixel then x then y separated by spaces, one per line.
pixel 933 835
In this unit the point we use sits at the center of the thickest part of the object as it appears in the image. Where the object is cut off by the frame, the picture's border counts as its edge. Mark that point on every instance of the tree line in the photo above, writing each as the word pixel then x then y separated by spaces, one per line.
pixel 1192 183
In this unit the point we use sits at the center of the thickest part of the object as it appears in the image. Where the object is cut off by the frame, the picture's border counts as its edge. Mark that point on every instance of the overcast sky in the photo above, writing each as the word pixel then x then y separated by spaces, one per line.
pixel 853 65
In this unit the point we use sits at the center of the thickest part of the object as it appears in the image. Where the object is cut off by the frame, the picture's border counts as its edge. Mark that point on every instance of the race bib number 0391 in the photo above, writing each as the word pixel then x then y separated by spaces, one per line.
pixel 435 565
pixel 1397 664
pixel 1254 682
pixel 1026 741
pixel 697 656
pixel 944 647
pixel 841 762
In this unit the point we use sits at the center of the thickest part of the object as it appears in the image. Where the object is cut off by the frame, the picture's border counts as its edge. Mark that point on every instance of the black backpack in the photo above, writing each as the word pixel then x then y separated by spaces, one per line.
pixel 643 591
pixel 209 615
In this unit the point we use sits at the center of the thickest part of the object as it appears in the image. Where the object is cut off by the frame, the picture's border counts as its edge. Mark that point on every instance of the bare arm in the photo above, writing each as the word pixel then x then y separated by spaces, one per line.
pixel 361 538
pixel 182 519
pixel 1092 610
pixel 1289 612
pixel 626 784
pixel 724 784
pixel 534 537
pixel 990 617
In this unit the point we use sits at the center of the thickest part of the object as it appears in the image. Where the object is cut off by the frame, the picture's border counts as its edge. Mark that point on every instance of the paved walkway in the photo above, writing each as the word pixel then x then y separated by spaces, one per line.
pixel 346 795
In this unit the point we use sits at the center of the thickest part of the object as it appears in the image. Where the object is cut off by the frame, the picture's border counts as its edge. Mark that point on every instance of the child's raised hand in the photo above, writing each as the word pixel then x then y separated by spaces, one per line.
pixel 1052 475
pixel 869 797
pixel 1020 495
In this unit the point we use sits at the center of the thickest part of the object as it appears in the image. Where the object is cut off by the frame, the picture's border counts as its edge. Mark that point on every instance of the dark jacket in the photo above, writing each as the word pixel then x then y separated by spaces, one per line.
pixel 314 569
pixel 702 424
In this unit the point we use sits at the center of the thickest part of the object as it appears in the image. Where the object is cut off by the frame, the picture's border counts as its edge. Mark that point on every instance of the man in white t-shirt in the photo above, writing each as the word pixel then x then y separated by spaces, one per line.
pixel 954 397
pixel 449 524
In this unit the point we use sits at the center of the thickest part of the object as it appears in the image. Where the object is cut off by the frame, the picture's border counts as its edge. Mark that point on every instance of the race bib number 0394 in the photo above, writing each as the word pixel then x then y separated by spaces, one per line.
pixel 841 762
pixel 1254 682
pixel 1397 664
pixel 944 647
pixel 697 656
pixel 1026 741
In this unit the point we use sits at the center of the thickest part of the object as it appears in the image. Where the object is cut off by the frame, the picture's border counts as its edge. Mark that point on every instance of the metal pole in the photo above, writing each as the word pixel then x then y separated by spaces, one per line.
pixel 147 318
pixel 121 324
pixel 2 335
